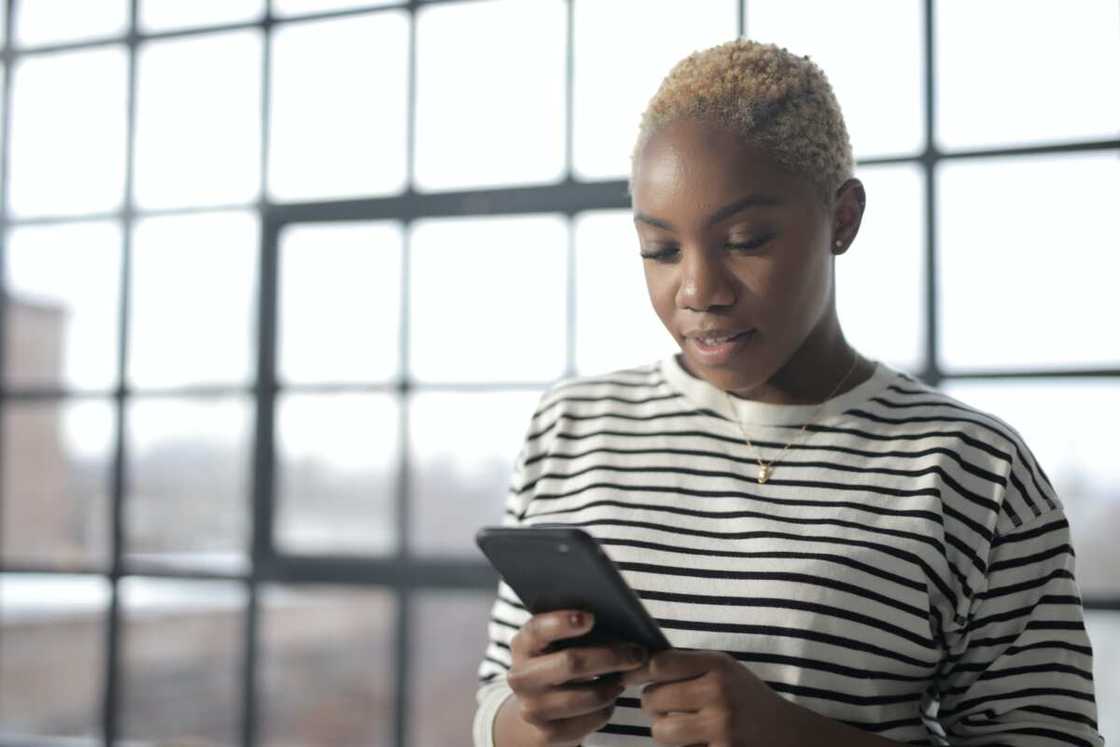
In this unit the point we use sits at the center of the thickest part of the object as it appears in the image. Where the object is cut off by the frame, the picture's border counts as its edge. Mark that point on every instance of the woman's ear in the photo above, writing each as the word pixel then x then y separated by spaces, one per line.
pixel 847 214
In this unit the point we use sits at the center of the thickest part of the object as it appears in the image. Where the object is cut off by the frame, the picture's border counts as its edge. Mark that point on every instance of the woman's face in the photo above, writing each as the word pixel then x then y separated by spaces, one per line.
pixel 733 244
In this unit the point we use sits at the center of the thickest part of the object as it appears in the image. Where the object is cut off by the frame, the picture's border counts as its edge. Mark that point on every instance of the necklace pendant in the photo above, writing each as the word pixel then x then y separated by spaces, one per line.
pixel 763 473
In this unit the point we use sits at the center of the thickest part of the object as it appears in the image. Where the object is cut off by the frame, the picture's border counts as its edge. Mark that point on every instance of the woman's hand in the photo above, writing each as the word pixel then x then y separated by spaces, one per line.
pixel 556 691
pixel 709 698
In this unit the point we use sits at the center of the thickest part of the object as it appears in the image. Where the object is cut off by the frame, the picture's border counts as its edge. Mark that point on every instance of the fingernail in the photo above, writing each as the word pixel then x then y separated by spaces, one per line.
pixel 576 619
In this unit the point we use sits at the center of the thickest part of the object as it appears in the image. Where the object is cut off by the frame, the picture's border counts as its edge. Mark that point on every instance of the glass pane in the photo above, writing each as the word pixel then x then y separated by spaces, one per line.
pixel 616 326
pixel 883 104
pixel 1061 424
pixel 462 465
pixel 1012 232
pixel 188 482
pixel 199 120
pixel 345 278
pixel 488 298
pixel 51 627
pixel 40 22
pixel 990 96
pixel 513 138
pixel 57 167
pixel 303 7
pixel 891 244
pixel 194 300
pixel 447 645
pixel 183 647
pixel 55 505
pixel 63 301
pixel 164 15
pixel 347 138
pixel 336 482
pixel 613 86
pixel 326 667
pixel 1104 633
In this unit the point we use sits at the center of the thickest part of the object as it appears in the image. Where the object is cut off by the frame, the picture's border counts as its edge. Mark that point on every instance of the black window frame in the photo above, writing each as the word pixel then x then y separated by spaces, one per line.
pixel 403 574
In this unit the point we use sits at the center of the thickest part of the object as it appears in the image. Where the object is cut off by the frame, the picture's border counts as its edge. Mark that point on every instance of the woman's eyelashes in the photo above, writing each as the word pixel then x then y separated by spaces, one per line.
pixel 669 252
pixel 660 255
pixel 750 244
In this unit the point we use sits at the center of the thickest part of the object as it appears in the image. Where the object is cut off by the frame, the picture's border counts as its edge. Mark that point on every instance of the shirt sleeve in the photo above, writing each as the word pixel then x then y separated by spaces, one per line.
pixel 1020 671
pixel 507 614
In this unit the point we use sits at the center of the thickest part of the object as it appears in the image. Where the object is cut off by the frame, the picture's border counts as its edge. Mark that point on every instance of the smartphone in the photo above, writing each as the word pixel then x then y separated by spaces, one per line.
pixel 562 567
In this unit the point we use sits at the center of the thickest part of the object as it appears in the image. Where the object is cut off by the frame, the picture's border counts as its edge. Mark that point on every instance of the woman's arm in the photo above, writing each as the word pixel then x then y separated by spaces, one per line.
pixel 808 728
pixel 707 697
pixel 511 731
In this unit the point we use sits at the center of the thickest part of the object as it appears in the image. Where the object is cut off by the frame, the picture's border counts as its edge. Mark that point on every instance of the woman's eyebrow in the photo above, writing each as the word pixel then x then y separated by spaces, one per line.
pixel 723 213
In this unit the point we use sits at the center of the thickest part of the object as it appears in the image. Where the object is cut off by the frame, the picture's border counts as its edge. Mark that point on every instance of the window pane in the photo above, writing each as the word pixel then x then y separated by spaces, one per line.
pixel 512 138
pixel 447 646
pixel 343 279
pixel 303 7
pixel 327 666
pixel 194 304
pixel 884 270
pixel 337 457
pixel 463 465
pixel 1070 51
pixel 40 22
pixel 198 120
pixel 182 657
pixel 63 300
pixel 163 15
pixel 58 167
pixel 51 627
pixel 613 86
pixel 346 138
pixel 57 459
pixel 1016 231
pixel 488 298
pixel 1061 424
pixel 188 482
pixel 1104 633
pixel 877 76
pixel 616 326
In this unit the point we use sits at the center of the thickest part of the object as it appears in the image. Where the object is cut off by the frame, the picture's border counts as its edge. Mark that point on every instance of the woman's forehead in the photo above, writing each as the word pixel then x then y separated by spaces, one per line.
pixel 707 166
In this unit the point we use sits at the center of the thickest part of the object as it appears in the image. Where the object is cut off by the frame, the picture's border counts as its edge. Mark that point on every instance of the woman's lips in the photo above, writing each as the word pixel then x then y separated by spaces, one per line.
pixel 721 352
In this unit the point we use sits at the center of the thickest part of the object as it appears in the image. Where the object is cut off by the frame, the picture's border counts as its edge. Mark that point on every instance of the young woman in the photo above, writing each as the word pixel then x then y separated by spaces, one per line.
pixel 838 553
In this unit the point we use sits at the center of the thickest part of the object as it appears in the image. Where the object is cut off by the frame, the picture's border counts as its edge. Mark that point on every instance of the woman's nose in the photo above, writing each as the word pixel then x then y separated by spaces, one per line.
pixel 704 282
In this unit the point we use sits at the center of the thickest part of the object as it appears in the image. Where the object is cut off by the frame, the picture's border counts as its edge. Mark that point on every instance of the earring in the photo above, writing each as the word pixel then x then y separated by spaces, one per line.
pixel 838 243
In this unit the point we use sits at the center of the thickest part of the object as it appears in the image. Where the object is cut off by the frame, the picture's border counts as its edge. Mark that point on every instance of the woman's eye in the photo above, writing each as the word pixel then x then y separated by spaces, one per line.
pixel 750 244
pixel 660 255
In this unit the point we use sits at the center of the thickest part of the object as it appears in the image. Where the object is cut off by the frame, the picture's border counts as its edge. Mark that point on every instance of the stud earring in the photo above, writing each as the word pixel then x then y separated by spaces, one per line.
pixel 838 243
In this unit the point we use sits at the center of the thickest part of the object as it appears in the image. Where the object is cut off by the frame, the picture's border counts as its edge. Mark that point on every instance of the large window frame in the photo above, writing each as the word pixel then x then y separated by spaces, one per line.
pixel 403 574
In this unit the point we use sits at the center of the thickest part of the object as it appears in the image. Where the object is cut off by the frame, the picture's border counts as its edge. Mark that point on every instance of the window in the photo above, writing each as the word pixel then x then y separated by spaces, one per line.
pixel 260 380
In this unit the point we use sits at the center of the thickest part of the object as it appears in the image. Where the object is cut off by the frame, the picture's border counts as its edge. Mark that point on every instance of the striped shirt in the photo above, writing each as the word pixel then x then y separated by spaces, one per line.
pixel 906 569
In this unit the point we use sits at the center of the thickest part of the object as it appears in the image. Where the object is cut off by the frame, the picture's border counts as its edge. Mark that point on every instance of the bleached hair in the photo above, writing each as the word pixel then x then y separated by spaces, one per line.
pixel 769 97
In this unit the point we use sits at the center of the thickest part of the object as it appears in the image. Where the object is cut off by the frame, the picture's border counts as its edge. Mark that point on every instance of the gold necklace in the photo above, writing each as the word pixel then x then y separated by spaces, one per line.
pixel 766 469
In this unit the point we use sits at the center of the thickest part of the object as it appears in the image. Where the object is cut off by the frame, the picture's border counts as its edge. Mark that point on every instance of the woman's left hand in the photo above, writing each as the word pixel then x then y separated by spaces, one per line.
pixel 709 698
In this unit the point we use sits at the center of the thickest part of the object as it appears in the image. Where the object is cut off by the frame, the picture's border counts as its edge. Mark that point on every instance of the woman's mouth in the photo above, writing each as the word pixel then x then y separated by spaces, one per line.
pixel 717 349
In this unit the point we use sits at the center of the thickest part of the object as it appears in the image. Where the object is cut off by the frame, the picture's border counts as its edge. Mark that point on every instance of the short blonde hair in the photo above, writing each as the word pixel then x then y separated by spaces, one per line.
pixel 768 96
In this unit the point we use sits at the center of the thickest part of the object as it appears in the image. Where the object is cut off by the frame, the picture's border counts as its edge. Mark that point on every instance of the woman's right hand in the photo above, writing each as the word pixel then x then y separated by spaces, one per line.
pixel 554 689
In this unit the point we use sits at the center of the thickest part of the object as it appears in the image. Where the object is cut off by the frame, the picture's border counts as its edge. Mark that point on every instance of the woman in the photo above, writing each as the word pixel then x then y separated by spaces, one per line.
pixel 838 553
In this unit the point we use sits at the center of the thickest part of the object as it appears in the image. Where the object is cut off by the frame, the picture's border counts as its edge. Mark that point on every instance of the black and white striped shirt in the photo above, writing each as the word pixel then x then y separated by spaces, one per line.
pixel 906 569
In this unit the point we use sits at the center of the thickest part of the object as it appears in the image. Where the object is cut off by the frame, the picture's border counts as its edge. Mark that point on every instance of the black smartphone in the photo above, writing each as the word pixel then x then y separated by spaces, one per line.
pixel 562 567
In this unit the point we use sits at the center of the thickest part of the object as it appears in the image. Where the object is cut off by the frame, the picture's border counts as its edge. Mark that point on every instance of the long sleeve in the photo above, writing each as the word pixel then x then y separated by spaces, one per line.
pixel 1020 670
pixel 507 614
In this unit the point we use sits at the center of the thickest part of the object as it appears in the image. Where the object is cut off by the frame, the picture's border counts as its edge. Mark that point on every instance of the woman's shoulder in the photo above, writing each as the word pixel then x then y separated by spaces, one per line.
pixel 911 399
pixel 635 383
pixel 983 444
